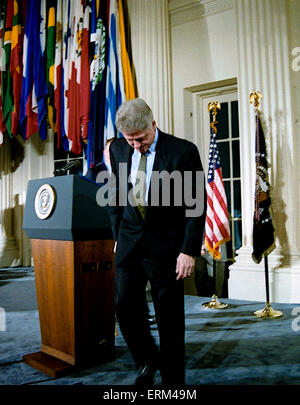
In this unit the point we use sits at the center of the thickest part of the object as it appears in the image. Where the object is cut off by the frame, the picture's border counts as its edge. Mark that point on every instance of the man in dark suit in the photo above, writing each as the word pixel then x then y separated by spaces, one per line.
pixel 155 239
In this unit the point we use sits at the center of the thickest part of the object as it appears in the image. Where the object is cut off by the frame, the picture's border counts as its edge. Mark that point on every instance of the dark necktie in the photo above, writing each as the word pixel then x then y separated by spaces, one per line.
pixel 139 190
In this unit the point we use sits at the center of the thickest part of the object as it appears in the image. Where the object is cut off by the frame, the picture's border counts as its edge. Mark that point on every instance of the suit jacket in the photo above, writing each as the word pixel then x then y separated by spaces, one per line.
pixel 166 229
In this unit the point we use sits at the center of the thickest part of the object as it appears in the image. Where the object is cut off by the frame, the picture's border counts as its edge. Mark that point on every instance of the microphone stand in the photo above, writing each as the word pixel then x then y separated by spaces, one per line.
pixel 63 170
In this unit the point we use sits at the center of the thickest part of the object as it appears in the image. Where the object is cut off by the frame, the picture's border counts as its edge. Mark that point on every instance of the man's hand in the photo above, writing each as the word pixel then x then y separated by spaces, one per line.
pixel 185 265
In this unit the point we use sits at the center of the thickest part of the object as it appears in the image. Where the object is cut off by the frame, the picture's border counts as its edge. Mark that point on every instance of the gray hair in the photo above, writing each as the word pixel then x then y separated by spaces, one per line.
pixel 134 115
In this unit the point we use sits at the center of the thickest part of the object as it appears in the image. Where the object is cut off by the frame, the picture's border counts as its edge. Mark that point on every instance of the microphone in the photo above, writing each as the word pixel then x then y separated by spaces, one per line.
pixel 69 165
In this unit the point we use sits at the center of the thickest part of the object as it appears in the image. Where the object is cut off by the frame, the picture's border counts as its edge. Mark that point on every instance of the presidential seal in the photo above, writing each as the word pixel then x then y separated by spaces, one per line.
pixel 44 201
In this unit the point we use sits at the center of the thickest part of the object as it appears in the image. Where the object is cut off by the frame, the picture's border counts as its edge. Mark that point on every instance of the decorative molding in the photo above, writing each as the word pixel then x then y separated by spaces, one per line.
pixel 220 85
pixel 194 121
pixel 247 279
pixel 184 11
pixel 279 261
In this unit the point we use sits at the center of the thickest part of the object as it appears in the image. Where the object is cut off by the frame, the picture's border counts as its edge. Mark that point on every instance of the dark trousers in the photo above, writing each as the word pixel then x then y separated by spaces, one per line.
pixel 131 276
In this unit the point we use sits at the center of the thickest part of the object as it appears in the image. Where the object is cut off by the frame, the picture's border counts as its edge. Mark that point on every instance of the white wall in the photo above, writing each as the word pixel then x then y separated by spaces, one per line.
pixel 150 39
pixel 203 49
pixel 19 163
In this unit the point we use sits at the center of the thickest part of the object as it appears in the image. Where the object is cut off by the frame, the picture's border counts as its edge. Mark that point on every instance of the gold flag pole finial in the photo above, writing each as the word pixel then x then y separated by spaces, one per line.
pixel 214 105
pixel 254 98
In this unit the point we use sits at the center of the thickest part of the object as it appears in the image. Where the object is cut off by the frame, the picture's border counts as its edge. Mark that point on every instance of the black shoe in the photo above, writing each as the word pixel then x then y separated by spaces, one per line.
pixel 145 375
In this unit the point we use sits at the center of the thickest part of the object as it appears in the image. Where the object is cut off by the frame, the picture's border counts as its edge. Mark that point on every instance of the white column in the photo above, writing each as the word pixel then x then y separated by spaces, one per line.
pixel 9 253
pixel 150 41
pixel 37 163
pixel 34 160
pixel 263 53
pixel 293 15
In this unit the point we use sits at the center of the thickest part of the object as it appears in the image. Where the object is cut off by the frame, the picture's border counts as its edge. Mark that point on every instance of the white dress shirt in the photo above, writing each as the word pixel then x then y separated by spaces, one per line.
pixel 135 160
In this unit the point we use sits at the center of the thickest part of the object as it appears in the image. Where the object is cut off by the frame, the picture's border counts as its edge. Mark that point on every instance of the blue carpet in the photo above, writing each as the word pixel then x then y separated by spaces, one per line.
pixel 223 347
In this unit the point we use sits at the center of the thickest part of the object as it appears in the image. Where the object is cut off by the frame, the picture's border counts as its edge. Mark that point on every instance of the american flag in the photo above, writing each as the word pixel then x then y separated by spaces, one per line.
pixel 217 229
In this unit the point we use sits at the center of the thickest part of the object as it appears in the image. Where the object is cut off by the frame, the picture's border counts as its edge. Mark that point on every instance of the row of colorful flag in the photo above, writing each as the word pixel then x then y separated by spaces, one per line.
pixel 64 64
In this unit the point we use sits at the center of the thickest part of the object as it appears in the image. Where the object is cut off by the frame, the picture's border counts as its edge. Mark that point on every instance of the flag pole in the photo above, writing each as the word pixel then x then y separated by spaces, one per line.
pixel 214 303
pixel 267 311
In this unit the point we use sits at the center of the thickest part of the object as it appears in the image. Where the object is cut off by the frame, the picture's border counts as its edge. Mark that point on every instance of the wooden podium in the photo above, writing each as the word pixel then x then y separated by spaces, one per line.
pixel 73 263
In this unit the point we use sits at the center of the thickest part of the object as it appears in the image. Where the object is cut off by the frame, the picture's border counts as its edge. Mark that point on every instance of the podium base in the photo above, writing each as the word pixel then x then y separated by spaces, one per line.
pixel 47 364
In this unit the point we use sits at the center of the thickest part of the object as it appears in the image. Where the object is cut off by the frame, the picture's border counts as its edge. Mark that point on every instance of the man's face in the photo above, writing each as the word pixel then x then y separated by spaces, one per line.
pixel 141 140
